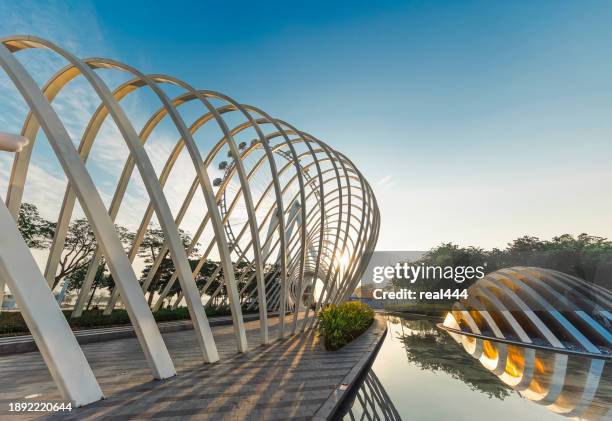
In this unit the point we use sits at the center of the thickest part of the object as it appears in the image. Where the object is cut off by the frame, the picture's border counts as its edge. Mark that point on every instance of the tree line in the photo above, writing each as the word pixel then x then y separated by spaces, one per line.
pixel 80 246
pixel 585 256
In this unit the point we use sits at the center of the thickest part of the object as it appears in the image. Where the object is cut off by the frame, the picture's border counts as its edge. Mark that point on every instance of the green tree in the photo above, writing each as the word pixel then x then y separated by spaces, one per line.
pixel 35 230
pixel 204 275
pixel 79 247
pixel 584 256
pixel 432 350
pixel 150 248
pixel 206 272
pixel 102 279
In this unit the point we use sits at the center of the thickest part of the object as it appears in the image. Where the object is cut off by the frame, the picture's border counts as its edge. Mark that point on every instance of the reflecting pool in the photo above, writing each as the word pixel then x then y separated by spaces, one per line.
pixel 422 373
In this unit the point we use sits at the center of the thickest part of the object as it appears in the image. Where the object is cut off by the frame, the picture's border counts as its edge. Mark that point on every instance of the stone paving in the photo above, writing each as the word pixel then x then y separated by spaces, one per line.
pixel 288 379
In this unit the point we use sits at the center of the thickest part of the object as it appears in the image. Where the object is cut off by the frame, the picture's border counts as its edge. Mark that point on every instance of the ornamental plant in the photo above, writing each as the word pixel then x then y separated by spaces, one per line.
pixel 340 324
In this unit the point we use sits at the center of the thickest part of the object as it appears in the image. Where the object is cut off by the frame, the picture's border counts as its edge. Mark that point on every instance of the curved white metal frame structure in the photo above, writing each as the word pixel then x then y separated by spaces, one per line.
pixel 321 223
pixel 547 311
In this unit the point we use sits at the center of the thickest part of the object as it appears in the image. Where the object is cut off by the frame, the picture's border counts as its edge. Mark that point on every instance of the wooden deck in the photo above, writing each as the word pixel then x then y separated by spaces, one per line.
pixel 289 379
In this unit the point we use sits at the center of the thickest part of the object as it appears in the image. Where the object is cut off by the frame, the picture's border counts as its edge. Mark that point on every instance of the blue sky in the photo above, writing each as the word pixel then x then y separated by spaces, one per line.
pixel 476 122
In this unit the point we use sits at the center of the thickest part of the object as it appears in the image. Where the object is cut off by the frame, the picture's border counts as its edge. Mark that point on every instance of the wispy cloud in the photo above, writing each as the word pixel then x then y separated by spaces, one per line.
pixel 76 29
pixel 65 25
pixel 384 184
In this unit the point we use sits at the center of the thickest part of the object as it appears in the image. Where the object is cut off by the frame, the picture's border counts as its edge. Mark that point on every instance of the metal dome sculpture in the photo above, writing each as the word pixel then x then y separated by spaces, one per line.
pixel 546 334
pixel 305 233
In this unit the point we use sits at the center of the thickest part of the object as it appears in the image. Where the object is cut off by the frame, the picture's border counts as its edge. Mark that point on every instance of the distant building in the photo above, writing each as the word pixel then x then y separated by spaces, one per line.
pixel 9 302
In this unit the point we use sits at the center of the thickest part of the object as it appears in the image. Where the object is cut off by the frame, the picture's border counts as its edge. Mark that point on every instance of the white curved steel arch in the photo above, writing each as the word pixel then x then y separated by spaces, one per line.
pixel 571 325
pixel 315 207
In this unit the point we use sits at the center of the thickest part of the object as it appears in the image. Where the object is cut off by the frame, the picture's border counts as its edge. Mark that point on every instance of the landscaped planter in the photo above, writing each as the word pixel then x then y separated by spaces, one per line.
pixel 340 324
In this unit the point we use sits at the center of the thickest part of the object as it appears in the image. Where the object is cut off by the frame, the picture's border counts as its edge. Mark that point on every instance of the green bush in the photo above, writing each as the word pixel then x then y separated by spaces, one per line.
pixel 339 325
pixel 12 323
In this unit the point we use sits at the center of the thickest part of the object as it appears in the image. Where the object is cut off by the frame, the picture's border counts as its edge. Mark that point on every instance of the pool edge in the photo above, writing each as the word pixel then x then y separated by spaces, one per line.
pixel 329 408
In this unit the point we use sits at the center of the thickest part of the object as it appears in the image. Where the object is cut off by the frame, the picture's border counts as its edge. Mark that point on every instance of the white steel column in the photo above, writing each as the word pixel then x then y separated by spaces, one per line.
pixel 332 215
pixel 59 349
pixel 144 325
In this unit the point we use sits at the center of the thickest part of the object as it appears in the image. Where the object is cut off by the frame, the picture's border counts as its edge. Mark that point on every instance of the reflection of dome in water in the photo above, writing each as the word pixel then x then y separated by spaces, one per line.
pixel 529 312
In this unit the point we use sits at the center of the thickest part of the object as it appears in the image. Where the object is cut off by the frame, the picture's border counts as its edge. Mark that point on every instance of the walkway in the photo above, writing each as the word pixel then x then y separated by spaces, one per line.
pixel 290 379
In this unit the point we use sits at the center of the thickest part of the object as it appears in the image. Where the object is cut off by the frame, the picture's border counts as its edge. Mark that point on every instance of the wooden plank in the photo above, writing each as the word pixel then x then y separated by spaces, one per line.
pixel 287 379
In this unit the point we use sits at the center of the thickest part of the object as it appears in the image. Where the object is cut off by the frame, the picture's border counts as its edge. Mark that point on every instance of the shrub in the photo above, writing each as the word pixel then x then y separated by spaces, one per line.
pixel 339 325
pixel 12 323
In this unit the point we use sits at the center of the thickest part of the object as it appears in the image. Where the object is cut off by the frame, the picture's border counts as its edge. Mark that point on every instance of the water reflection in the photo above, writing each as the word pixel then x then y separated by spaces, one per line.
pixel 542 332
pixel 421 373
pixel 371 402
pixel 569 385
pixel 425 346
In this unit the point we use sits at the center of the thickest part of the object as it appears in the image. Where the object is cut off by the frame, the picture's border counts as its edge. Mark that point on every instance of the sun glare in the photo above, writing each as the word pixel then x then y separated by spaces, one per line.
pixel 343 259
